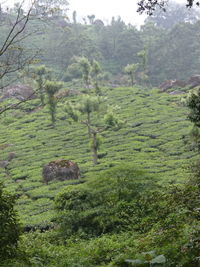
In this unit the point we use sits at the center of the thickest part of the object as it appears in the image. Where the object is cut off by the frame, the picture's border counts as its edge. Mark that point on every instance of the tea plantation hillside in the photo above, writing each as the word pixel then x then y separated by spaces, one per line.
pixel 152 138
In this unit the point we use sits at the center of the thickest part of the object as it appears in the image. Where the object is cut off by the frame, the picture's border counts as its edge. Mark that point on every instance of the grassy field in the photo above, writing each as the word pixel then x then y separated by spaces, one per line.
pixel 152 138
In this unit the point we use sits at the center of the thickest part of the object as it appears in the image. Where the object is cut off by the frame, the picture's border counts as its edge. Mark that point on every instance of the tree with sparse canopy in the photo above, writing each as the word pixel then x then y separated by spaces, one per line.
pixel 142 55
pixel 85 69
pixel 52 87
pixel 88 106
pixel 96 70
pixel 41 74
pixel 131 69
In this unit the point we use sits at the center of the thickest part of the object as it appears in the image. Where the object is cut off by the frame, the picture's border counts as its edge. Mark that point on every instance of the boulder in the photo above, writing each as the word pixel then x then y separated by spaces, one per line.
pixel 166 85
pixel 4 163
pixel 11 156
pixel 171 84
pixel 60 170
pixel 178 83
pixel 193 81
pixel 19 91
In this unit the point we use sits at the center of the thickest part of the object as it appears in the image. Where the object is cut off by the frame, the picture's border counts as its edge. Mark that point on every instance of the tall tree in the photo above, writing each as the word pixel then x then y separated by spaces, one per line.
pixel 82 113
pixel 85 68
pixel 52 87
pixel 130 69
pixel 96 70
pixel 74 17
pixel 88 106
pixel 41 75
pixel 176 53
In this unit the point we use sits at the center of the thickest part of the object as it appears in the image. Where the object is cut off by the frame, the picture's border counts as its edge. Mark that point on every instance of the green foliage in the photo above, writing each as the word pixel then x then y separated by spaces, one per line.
pixel 85 68
pixel 98 143
pixel 195 177
pixel 112 121
pixel 130 69
pixel 89 104
pixel 143 55
pixel 124 199
pixel 193 103
pixel 41 74
pixel 52 88
pixel 73 72
pixel 120 211
pixel 143 58
pixel 93 208
pixel 115 45
pixel 148 259
pixel 9 225
pixel 143 139
pixel 109 203
pixel 135 220
pixel 96 70
pixel 72 112
pixel 41 70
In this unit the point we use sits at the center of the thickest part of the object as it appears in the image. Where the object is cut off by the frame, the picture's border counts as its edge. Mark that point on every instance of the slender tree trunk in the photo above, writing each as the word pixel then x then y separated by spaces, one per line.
pixel 86 80
pixel 52 108
pixel 97 88
pixel 94 148
pixel 132 80
pixel 87 83
pixel 88 125
pixel 41 92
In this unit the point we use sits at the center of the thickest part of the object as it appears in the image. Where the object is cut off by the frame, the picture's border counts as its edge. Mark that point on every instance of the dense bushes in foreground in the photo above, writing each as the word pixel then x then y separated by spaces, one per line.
pixel 118 218
pixel 9 225
pixel 107 203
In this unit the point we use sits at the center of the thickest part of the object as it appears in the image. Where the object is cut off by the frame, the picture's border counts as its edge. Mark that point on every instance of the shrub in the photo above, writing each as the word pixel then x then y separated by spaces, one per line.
pixel 9 225
pixel 104 204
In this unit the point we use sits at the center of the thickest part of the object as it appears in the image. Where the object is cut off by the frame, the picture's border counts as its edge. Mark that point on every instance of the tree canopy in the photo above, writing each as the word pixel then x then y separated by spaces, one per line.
pixel 149 6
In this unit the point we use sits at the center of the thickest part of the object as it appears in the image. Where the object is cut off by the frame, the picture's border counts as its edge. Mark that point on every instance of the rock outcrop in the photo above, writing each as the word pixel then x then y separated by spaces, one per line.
pixel 194 81
pixel 60 170
pixel 166 85
pixel 19 91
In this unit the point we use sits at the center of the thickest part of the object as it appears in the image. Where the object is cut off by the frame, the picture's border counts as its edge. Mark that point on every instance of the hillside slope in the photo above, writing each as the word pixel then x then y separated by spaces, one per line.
pixel 151 138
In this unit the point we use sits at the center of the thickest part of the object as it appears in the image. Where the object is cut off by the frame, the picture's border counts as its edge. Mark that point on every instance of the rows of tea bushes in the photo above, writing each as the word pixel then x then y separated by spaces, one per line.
pixel 152 137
